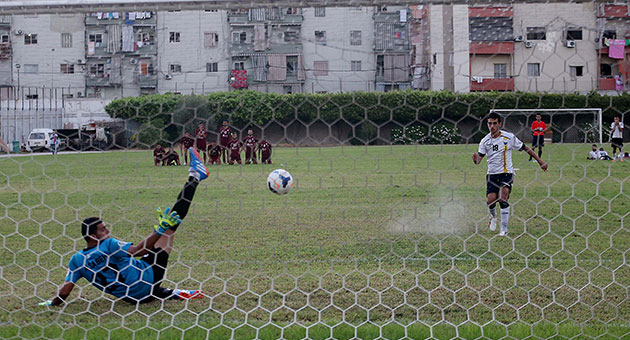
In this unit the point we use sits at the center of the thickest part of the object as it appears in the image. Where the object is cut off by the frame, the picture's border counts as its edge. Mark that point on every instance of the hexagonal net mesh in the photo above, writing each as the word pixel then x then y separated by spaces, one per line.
pixel 389 231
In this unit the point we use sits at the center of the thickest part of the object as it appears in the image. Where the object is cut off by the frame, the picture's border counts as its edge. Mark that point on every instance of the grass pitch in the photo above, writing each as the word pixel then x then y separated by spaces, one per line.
pixel 372 242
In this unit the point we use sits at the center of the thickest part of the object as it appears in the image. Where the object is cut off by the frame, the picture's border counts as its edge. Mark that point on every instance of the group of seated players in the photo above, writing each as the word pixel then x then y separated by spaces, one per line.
pixel 228 149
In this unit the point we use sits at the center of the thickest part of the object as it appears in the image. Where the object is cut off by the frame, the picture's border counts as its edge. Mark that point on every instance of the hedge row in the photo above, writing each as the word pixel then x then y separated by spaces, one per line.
pixel 170 113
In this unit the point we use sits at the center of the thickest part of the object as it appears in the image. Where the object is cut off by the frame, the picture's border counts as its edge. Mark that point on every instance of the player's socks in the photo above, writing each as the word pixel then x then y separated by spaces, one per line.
pixel 492 209
pixel 505 218
pixel 539 152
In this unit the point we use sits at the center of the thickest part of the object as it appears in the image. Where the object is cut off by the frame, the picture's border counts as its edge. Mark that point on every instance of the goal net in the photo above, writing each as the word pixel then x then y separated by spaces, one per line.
pixel 375 108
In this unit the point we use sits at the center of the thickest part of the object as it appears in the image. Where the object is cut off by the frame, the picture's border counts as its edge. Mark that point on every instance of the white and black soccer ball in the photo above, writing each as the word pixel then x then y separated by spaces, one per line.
pixel 280 182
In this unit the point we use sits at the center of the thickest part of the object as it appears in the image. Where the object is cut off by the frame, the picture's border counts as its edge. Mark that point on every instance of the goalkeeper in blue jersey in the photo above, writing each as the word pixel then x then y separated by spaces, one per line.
pixel 110 266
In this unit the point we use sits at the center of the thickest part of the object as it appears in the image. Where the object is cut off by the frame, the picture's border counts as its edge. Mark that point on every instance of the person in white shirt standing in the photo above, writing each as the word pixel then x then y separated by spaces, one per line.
pixel 616 135
pixel 498 146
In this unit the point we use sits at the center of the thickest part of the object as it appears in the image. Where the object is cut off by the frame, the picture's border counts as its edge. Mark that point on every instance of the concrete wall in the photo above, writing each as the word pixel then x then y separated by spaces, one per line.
pixel 48 53
pixel 191 53
pixel 554 57
pixel 338 23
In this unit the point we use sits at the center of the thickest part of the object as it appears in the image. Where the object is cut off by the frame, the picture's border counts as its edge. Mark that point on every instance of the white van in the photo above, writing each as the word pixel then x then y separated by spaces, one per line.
pixel 39 139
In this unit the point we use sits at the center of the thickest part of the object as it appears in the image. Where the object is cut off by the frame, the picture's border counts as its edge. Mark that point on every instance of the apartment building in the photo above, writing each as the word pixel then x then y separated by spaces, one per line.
pixel 555 47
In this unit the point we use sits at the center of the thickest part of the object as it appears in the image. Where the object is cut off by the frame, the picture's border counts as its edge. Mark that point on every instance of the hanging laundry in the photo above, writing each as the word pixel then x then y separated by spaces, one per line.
pixel 617 49
pixel 132 15
pixel 240 79
pixel 91 48
pixel 99 15
pixel 116 15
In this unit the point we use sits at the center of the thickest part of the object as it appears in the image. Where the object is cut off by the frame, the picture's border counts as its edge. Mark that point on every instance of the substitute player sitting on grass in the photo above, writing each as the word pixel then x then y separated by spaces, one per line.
pixel 110 266
pixel 498 146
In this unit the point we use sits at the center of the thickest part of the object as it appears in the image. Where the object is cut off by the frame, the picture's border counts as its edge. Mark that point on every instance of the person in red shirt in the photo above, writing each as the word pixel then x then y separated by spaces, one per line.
pixel 170 157
pixel 214 152
pixel 158 155
pixel 185 143
pixel 538 129
pixel 250 147
pixel 201 134
pixel 264 151
pixel 225 131
pixel 235 147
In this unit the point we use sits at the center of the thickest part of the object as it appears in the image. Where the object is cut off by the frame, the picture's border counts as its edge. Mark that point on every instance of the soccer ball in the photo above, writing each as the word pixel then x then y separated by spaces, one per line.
pixel 280 181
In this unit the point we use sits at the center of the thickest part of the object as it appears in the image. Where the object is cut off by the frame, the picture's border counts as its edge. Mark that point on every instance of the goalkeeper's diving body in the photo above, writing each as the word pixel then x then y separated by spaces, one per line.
pixel 110 266
pixel 498 146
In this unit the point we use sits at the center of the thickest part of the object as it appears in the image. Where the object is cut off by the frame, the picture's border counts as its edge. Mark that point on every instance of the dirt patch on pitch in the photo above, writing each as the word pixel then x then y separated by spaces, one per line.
pixel 450 217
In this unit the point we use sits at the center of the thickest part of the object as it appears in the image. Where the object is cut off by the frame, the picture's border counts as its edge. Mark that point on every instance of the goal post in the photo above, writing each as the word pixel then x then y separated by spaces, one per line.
pixel 578 129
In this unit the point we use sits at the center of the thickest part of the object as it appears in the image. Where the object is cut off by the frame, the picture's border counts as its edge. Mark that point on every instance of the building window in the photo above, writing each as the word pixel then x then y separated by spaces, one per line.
pixel 605 70
pixel 96 38
pixel 174 37
pixel 239 65
pixel 287 89
pixel 533 69
pixel 239 38
pixel 211 39
pixel 212 67
pixel 610 34
pixel 380 65
pixel 30 39
pixel 292 66
pixel 355 38
pixel 292 10
pixel 31 68
pixel 291 36
pixel 211 10
pixel 66 40
pixel 576 71
pixel 175 68
pixel 574 34
pixel 320 11
pixel 320 68
pixel 355 65
pixel 500 71
pixel 4 38
pixel 320 37
pixel 536 33
pixel 97 70
pixel 146 69
pixel 67 68
pixel 32 96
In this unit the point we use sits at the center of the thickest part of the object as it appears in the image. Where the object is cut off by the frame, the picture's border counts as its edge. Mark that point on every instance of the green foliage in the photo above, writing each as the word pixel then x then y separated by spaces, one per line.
pixel 245 108
pixel 439 133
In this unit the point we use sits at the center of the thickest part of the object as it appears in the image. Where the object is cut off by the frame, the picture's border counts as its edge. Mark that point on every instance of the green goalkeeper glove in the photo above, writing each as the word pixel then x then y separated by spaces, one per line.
pixel 46 303
pixel 166 220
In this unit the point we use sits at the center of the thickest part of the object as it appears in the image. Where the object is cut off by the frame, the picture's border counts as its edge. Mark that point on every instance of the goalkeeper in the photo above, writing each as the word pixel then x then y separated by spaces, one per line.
pixel 110 266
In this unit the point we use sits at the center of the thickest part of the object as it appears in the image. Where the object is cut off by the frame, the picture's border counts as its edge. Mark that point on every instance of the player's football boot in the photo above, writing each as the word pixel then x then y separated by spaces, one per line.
pixel 503 232
pixel 190 294
pixel 492 224
pixel 196 164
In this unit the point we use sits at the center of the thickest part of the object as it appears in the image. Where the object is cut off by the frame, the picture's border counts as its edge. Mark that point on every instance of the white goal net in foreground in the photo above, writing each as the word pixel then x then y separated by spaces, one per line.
pixel 374 109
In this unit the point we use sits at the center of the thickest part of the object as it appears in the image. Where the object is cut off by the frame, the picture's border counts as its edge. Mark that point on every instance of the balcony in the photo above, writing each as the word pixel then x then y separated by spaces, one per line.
pixel 607 84
pixel 146 49
pixel 5 21
pixel 491 47
pixel 275 15
pixel 147 81
pixel 490 12
pixel 97 81
pixel 492 84
pixel 389 17
pixel 614 11
pixel 95 21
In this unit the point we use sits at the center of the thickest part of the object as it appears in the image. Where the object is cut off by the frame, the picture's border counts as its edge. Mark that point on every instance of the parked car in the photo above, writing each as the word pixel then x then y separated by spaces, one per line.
pixel 39 140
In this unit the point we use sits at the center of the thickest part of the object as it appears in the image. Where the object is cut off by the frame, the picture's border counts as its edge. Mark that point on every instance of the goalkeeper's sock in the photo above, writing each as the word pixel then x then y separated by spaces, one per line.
pixel 505 218
pixel 539 152
pixel 185 197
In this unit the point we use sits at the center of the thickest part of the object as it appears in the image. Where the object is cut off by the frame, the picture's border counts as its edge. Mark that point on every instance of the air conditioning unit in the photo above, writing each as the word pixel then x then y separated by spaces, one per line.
pixel 80 62
pixel 529 44
pixel 79 95
pixel 519 38
pixel 168 77
pixel 133 61
pixel 570 43
pixel 18 32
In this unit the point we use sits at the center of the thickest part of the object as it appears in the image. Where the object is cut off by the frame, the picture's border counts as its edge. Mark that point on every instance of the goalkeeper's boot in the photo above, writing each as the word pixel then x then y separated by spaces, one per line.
pixel 492 224
pixel 190 294
pixel 196 165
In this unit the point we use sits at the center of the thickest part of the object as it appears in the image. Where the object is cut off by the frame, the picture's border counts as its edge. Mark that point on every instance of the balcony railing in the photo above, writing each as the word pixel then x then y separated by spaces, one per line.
pixel 607 84
pixel 493 84
pixel 97 81
pixel 491 47
pixel 149 80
